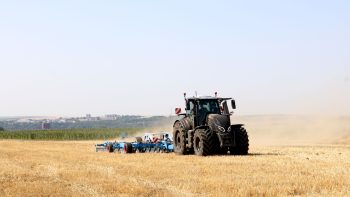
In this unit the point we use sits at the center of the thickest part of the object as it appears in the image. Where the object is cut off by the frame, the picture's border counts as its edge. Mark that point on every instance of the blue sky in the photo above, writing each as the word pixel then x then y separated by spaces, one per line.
pixel 69 58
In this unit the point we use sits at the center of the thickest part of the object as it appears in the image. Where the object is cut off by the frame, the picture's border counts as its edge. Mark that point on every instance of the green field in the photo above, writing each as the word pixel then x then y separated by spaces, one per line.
pixel 68 134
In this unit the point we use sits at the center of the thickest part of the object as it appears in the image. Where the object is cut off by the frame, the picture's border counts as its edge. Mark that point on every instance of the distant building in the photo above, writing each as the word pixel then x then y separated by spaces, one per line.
pixel 111 117
pixel 45 125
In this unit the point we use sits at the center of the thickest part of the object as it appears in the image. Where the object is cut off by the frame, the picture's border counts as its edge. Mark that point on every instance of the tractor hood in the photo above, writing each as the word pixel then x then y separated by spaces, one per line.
pixel 219 123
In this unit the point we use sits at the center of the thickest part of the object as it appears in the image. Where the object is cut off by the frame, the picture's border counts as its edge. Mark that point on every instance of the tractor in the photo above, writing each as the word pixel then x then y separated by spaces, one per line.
pixel 206 129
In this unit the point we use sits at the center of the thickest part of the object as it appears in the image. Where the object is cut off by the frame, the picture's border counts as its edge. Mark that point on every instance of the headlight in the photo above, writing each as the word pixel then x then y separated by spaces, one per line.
pixel 221 129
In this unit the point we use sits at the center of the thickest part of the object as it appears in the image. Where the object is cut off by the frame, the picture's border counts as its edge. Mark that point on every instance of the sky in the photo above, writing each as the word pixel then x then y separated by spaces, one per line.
pixel 71 58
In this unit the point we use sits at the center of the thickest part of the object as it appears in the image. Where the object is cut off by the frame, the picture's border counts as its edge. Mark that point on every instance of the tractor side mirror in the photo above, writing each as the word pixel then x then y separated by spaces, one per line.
pixel 177 111
pixel 233 104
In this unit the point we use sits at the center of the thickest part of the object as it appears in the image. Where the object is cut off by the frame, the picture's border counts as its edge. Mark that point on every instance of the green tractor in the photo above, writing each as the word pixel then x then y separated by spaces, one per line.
pixel 206 129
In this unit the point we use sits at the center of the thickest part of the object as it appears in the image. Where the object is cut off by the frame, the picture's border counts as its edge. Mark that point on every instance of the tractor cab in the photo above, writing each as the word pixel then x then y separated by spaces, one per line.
pixel 198 108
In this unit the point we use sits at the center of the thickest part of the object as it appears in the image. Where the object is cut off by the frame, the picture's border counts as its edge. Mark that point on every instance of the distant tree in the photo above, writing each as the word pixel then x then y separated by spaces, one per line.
pixel 2 129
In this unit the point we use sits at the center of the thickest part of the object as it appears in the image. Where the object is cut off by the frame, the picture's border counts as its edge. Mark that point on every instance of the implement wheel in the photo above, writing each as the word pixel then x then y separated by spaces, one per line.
pixel 128 148
pixel 109 148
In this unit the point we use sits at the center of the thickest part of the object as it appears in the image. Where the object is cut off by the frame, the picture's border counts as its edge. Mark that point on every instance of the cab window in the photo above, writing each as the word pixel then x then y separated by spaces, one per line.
pixel 190 107
pixel 209 106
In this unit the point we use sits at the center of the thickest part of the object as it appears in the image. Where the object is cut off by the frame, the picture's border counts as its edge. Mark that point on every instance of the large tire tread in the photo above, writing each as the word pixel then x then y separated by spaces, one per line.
pixel 242 142
pixel 209 143
pixel 179 139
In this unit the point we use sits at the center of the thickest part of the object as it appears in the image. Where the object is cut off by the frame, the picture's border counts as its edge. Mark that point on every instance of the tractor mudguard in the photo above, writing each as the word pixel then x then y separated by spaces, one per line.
pixel 201 127
pixel 235 126
pixel 186 123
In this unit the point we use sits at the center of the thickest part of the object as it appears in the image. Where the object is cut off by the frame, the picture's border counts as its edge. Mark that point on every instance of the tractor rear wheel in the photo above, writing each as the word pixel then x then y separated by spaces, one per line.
pixel 242 142
pixel 179 139
pixel 203 142
pixel 180 143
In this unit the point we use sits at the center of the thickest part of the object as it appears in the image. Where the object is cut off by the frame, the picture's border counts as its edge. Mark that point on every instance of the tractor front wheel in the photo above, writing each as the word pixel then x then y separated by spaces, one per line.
pixel 202 142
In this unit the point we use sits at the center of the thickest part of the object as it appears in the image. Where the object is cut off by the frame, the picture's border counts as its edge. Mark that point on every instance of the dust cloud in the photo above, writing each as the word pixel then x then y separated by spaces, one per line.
pixel 295 130
pixel 280 129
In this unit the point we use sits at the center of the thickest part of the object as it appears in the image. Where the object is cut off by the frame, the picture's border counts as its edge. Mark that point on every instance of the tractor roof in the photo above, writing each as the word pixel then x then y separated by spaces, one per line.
pixel 208 98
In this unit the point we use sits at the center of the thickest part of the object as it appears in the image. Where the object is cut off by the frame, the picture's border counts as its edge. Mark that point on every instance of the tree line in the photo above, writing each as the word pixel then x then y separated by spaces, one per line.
pixel 122 122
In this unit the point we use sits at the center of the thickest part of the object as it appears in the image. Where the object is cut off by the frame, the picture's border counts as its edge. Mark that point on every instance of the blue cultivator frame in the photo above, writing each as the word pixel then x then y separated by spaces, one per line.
pixel 136 147
pixel 161 146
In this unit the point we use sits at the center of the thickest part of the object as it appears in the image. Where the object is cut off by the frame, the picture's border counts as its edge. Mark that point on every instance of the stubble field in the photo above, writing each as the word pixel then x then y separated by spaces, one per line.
pixel 289 156
pixel 49 168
